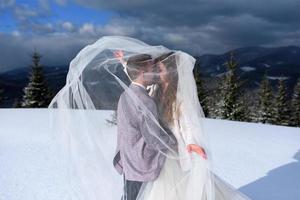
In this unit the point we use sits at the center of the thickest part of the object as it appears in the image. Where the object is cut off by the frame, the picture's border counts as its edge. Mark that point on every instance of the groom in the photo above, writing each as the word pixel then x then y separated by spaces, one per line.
pixel 138 155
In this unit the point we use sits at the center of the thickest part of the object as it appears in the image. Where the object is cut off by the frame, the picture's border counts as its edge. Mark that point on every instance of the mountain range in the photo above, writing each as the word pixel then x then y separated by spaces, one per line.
pixel 253 63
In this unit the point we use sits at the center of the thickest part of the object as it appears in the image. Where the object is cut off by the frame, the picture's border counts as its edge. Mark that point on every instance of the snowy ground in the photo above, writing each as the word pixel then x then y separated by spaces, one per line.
pixel 262 161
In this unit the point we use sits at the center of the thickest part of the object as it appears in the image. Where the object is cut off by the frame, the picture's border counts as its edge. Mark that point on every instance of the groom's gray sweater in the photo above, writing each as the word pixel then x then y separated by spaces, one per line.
pixel 137 154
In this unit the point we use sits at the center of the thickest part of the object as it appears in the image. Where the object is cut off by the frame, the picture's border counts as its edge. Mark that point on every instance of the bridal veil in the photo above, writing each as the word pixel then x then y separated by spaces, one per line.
pixel 83 119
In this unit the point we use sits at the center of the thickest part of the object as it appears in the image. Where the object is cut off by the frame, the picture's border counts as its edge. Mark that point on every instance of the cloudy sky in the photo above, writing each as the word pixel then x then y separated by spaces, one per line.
pixel 58 29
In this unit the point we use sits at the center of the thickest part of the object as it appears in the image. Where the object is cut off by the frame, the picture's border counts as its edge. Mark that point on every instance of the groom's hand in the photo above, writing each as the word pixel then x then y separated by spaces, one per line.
pixel 197 149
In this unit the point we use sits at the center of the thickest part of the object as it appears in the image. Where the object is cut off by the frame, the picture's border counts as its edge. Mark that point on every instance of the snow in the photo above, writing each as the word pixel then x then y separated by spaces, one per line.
pixel 277 77
pixel 260 160
pixel 266 65
pixel 222 74
pixel 247 68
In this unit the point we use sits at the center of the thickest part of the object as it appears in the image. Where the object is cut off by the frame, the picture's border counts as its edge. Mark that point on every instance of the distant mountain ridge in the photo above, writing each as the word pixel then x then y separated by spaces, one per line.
pixel 277 62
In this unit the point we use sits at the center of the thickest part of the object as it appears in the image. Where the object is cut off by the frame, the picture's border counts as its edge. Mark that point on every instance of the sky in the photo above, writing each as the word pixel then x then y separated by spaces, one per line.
pixel 58 29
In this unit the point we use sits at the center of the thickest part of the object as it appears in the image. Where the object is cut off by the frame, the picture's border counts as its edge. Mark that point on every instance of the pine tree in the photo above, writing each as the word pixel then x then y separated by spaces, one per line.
pixel 231 107
pixel 113 120
pixel 265 107
pixel 36 93
pixel 282 105
pixel 295 105
pixel 202 94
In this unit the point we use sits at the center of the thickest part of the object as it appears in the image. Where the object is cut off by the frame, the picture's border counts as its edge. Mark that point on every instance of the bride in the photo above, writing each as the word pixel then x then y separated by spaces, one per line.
pixel 186 177
pixel 173 176
pixel 175 180
pixel 95 81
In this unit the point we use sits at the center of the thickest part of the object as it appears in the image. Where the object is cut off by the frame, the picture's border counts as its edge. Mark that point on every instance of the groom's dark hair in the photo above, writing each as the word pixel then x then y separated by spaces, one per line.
pixel 137 63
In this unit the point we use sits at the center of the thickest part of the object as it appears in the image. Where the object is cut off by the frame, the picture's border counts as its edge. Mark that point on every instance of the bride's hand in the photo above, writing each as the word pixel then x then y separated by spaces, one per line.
pixel 120 56
pixel 197 149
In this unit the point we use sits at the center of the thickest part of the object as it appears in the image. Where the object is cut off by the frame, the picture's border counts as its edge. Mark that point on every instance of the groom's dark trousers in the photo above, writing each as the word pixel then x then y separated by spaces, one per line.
pixel 131 189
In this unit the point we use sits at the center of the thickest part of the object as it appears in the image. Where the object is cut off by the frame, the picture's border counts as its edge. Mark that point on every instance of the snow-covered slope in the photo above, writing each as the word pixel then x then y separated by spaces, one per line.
pixel 260 160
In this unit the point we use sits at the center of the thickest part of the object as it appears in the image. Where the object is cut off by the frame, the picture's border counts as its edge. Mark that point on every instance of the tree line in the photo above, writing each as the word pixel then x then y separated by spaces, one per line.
pixel 270 108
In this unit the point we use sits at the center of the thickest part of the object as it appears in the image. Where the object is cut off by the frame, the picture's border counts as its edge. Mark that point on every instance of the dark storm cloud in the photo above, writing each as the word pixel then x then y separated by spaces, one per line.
pixel 197 12
pixel 195 26
pixel 56 49
pixel 232 22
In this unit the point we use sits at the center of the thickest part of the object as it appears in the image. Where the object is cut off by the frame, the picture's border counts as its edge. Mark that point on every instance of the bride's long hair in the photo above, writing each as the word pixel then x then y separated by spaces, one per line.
pixel 165 99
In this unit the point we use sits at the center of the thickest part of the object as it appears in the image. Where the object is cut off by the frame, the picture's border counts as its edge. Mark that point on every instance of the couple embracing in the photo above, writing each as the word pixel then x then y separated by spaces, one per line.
pixel 161 151
pixel 154 142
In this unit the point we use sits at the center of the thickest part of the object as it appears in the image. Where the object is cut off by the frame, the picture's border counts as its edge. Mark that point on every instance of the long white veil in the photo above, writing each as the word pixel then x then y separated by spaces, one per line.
pixel 84 120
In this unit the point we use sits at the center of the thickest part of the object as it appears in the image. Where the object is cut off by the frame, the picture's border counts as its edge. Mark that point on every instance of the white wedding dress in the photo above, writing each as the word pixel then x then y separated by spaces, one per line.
pixel 94 83
pixel 187 178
